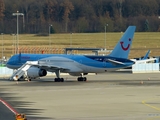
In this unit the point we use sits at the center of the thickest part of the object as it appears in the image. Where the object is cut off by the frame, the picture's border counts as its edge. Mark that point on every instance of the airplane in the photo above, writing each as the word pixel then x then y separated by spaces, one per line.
pixel 33 66
pixel 144 59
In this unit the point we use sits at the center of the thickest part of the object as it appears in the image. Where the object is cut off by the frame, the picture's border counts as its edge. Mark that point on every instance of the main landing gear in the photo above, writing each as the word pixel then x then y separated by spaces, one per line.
pixel 58 79
pixel 78 79
pixel 81 79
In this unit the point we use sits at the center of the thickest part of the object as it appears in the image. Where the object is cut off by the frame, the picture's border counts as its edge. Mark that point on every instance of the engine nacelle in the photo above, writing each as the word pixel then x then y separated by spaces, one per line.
pixel 34 72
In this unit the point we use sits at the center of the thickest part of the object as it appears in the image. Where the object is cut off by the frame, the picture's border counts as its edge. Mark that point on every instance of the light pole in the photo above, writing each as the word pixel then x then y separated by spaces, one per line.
pixel 105 36
pixel 17 45
pixel 14 44
pixel 50 25
pixel 71 39
pixel 2 49
pixel 159 25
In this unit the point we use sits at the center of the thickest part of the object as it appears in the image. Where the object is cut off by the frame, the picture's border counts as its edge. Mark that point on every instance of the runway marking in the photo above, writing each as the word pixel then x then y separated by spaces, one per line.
pixel 8 106
pixel 153 116
pixel 151 106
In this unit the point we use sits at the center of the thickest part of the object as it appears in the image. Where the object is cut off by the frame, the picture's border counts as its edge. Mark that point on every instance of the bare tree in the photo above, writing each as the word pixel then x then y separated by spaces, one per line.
pixel 2 8
pixel 68 7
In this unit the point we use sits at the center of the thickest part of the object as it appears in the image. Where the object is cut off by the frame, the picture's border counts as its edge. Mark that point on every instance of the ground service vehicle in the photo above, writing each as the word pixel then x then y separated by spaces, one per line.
pixel 21 117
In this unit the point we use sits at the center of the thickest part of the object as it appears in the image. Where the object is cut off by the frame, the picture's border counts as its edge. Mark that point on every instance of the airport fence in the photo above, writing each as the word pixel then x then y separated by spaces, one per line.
pixel 5 72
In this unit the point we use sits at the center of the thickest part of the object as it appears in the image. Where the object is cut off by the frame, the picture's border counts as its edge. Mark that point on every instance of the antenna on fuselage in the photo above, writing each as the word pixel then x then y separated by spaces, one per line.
pixel 19 56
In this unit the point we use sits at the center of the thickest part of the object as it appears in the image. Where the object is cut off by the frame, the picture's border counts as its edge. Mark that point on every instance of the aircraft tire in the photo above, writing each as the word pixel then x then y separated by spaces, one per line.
pixel 82 79
pixel 56 80
pixel 79 79
pixel 59 80
pixel 62 80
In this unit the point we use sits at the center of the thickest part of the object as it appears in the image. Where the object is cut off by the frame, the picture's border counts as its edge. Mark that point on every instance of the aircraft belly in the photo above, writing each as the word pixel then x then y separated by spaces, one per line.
pixel 90 69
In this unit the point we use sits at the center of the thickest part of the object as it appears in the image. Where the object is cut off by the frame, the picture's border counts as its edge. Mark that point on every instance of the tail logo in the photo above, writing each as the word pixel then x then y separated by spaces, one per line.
pixel 125 48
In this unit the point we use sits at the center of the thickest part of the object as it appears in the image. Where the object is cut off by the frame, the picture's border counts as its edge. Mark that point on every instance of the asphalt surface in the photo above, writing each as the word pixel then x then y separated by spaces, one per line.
pixel 111 96
pixel 5 113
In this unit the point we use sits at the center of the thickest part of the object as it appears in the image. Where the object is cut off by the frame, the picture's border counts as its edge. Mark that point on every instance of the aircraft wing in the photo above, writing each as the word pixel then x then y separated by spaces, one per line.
pixel 115 62
pixel 45 65
pixel 51 67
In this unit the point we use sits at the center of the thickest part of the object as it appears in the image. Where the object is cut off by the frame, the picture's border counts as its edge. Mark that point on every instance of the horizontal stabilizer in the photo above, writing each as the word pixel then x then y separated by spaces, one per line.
pixel 115 62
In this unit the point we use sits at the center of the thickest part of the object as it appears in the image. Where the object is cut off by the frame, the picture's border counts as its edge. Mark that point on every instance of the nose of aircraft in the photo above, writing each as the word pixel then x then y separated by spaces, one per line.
pixel 8 64
pixel 11 63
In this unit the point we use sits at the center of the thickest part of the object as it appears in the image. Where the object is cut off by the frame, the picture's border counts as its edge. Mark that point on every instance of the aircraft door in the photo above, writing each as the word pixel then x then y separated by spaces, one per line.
pixel 104 62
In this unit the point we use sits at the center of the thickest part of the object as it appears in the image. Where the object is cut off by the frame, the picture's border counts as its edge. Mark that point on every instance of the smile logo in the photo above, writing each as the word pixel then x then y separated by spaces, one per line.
pixel 125 48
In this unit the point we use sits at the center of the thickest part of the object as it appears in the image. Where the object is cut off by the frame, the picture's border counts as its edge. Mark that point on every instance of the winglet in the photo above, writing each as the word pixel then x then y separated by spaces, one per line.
pixel 122 48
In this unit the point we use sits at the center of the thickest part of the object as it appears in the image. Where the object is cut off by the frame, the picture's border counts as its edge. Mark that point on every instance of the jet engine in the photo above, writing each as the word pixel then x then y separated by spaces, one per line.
pixel 34 72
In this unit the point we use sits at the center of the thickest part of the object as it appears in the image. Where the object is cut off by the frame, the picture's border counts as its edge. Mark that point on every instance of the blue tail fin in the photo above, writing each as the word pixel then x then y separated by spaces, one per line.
pixel 122 48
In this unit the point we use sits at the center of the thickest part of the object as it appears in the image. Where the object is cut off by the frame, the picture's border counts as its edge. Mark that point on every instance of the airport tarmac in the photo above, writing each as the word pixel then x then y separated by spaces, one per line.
pixel 5 113
pixel 110 96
